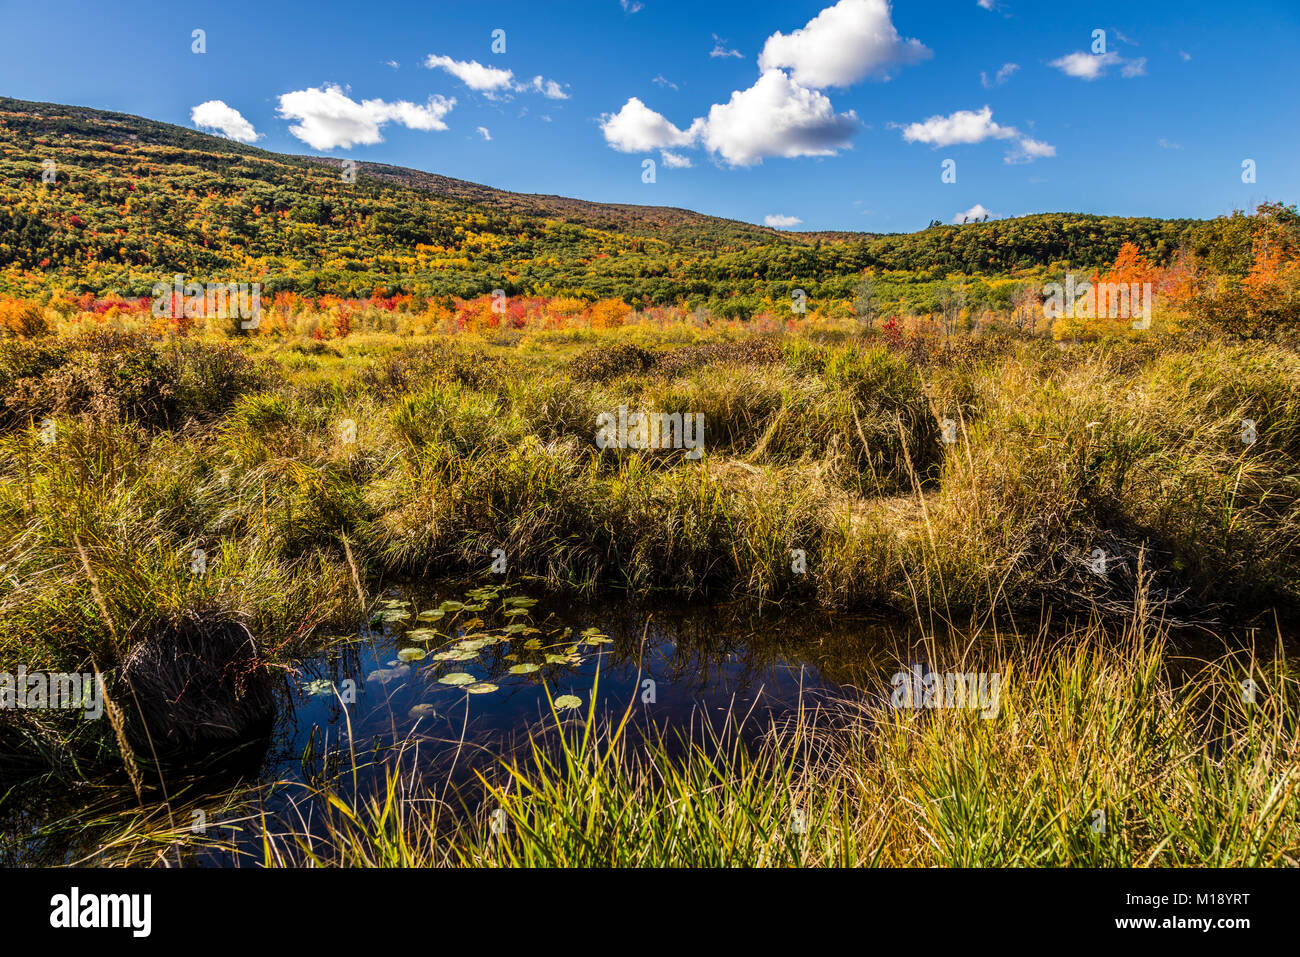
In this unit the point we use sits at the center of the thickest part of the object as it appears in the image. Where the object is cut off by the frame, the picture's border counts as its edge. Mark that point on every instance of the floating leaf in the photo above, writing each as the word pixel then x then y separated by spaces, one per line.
pixel 411 654
pixel 457 678
pixel 422 711
pixel 516 611
pixel 483 687
pixel 521 602
pixel 320 686
pixel 532 644
pixel 455 655
pixel 452 605
pixel 525 669
pixel 514 629
pixel 433 614
pixel 567 701
pixel 422 634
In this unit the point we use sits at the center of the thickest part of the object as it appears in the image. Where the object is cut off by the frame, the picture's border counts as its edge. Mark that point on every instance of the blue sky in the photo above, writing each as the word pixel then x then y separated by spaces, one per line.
pixel 838 115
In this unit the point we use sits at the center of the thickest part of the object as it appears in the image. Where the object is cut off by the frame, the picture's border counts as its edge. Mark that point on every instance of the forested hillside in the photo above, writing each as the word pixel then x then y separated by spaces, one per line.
pixel 107 203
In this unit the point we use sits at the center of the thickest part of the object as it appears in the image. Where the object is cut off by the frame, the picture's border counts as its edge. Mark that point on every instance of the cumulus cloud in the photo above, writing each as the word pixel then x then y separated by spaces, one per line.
pixel 675 160
pixel 548 88
pixel 964 126
pixel 493 82
pixel 1004 73
pixel 775 117
pixel 1028 149
pixel 329 118
pixel 1090 66
pixel 842 45
pixel 638 129
pixel 974 214
pixel 226 120
pixel 976 126
pixel 485 133
pixel 777 221
pixel 476 76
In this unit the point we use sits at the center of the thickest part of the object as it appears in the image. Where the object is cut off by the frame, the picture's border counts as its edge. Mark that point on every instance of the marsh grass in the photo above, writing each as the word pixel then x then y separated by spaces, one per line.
pixel 1106 751
pixel 822 442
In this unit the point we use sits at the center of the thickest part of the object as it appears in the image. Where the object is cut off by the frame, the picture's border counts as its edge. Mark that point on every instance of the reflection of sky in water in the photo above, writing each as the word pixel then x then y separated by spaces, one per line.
pixel 674 667
pixel 705 662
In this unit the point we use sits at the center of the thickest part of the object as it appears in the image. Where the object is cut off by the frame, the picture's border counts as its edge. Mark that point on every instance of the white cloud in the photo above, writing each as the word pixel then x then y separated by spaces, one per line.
pixel 329 118
pixel 775 117
pixel 720 48
pixel 1167 145
pixel 484 132
pixel 1185 55
pixel 842 45
pixel 976 126
pixel 963 126
pixel 976 212
pixel 638 129
pixel 985 4
pixel 675 160
pixel 493 82
pixel 548 88
pixel 631 6
pixel 1090 66
pixel 662 80
pixel 1005 72
pixel 476 76
pixel 781 222
pixel 393 63
pixel 1028 149
pixel 226 120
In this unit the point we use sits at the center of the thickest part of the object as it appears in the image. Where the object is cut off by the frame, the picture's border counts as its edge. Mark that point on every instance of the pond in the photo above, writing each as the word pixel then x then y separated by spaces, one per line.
pixel 455 679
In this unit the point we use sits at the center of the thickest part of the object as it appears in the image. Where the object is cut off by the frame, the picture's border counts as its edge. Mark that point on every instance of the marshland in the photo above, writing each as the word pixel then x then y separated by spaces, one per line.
pixel 387 600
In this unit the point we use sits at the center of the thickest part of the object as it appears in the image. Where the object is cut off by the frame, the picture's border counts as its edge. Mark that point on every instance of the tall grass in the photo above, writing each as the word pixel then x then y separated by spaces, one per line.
pixel 1102 754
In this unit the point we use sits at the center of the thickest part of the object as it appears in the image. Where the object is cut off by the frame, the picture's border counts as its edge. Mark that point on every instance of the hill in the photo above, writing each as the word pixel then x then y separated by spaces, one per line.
pixel 131 201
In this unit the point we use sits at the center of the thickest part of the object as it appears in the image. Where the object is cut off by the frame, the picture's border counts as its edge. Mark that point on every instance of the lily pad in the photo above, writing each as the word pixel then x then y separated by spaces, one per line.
pixel 422 711
pixel 482 687
pixel 527 668
pixel 411 654
pixel 516 611
pixel 566 702
pixel 452 606
pixel 457 678
pixel 320 686
pixel 422 634
pixel 433 614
